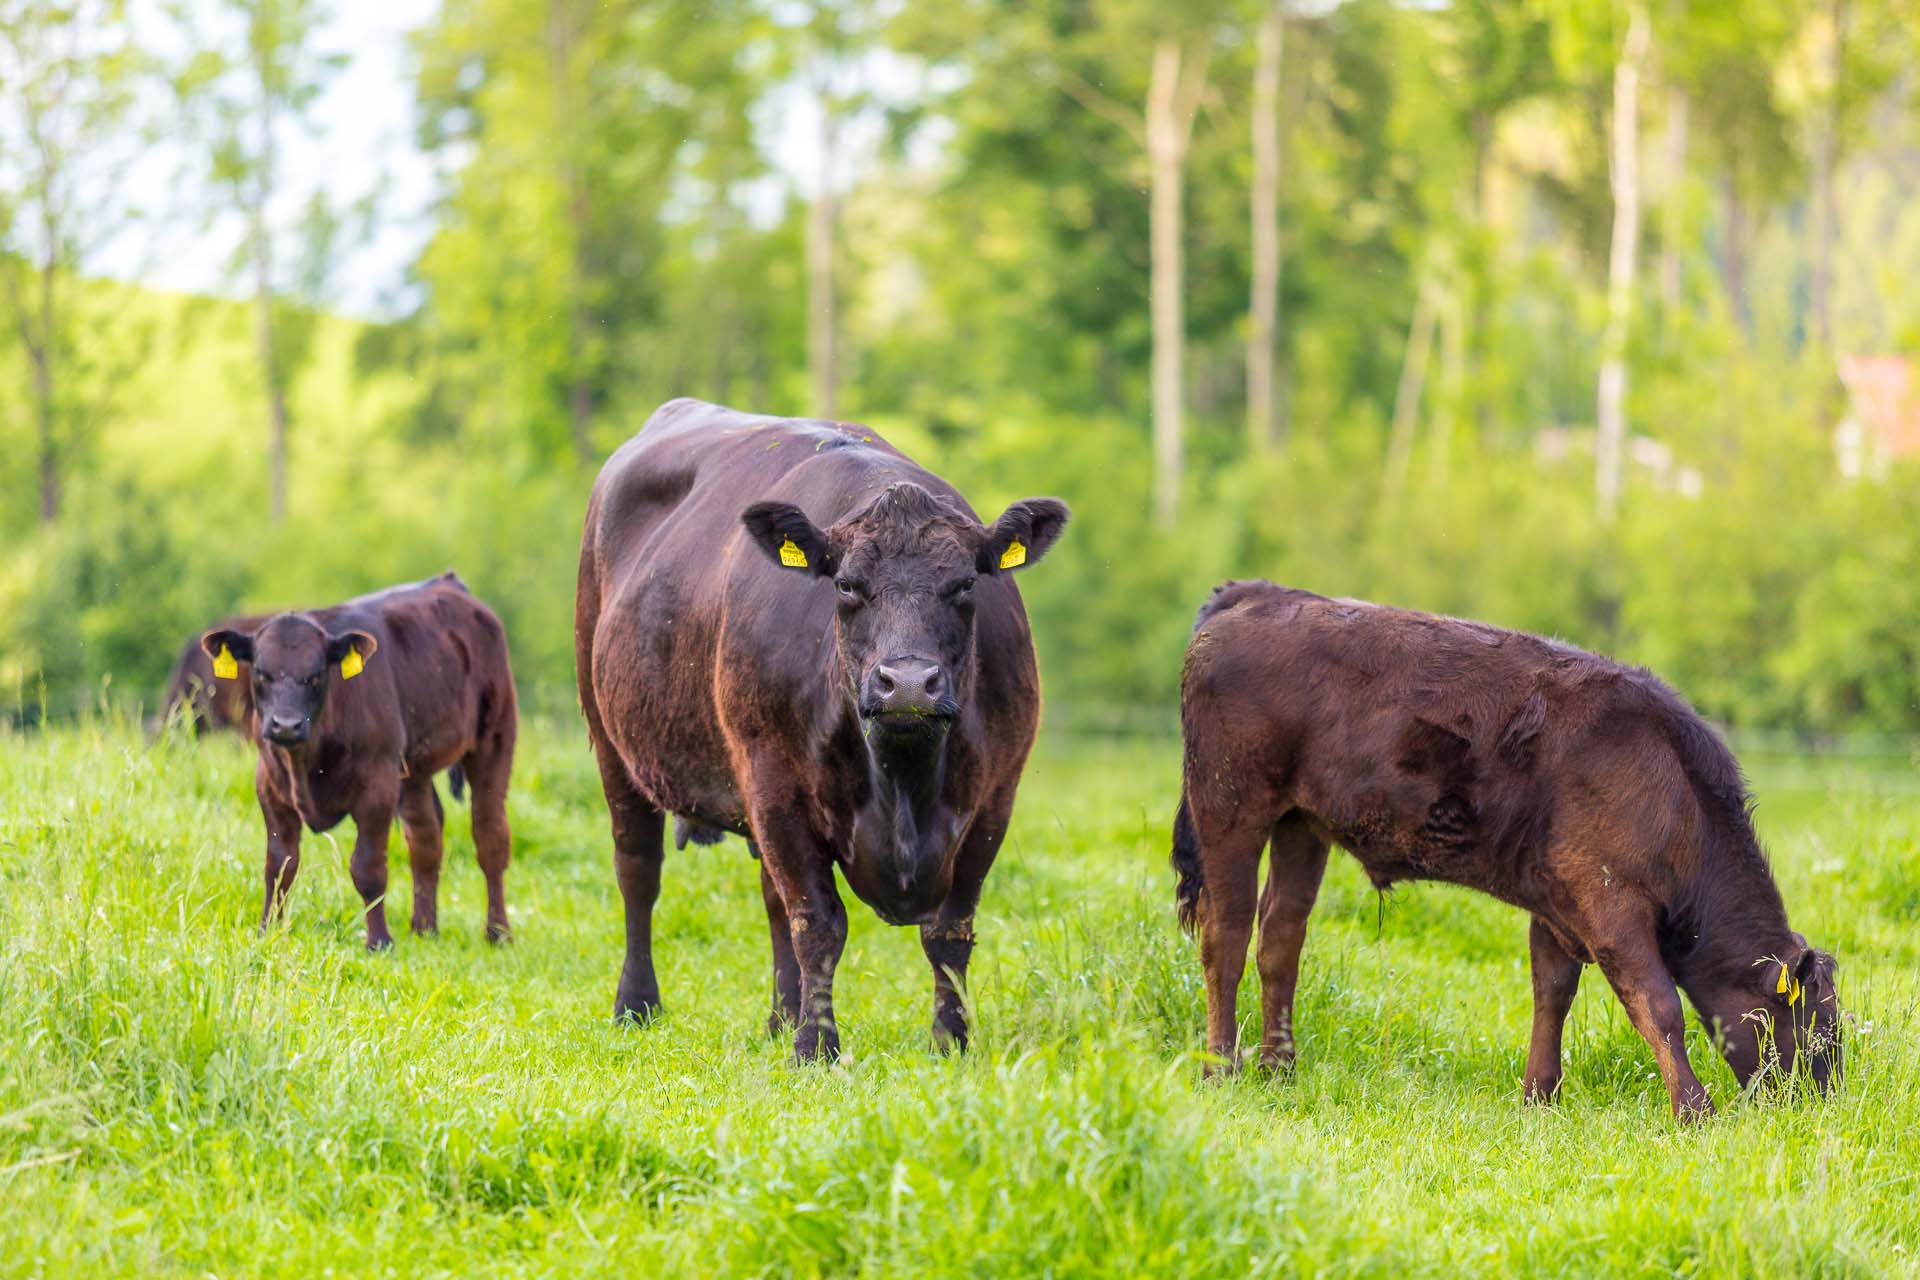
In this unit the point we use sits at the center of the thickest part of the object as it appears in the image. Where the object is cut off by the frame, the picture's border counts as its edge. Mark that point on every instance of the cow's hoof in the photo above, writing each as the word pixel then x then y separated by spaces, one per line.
pixel 1275 1062
pixel 426 928
pixel 780 1022
pixel 378 945
pixel 1540 1093
pixel 498 932
pixel 1693 1106
pixel 816 1044
pixel 635 1010
pixel 949 1036
pixel 1221 1067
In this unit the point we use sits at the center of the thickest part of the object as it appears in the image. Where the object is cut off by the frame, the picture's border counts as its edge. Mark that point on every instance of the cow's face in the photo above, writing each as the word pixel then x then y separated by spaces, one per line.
pixel 1778 1015
pixel 904 570
pixel 295 662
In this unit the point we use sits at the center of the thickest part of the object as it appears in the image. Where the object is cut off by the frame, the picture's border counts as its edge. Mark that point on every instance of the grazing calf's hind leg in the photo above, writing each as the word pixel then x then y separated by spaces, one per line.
pixel 422 821
pixel 1556 977
pixel 1294 868
pixel 786 969
pixel 1230 865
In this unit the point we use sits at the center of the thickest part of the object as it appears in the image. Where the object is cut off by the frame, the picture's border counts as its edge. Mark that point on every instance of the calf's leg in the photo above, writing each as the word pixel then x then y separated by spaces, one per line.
pixel 1230 868
pixel 488 771
pixel 786 969
pixel 1556 977
pixel 373 823
pixel 1631 961
pixel 1295 866
pixel 422 821
pixel 283 852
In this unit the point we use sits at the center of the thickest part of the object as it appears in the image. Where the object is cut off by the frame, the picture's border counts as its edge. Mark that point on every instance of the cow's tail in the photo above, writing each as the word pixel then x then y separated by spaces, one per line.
pixel 1188 879
pixel 457 781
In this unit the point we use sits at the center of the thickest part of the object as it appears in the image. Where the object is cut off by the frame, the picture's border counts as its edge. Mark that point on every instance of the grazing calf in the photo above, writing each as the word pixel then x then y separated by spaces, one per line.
pixel 201 699
pixel 1582 791
pixel 787 630
pixel 356 707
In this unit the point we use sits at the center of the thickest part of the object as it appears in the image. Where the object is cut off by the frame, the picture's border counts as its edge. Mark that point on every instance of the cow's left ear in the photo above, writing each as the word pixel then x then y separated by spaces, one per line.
pixel 1022 534
pixel 789 539
pixel 351 649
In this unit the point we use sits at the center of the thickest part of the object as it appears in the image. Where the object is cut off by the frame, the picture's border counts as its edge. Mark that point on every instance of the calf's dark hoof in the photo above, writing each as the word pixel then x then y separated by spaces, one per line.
pixel 815 1043
pixel 377 945
pixel 498 933
pixel 949 1035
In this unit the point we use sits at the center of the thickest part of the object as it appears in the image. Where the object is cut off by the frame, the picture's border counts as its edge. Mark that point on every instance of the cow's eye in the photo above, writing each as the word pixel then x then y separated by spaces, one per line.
pixel 959 590
pixel 851 591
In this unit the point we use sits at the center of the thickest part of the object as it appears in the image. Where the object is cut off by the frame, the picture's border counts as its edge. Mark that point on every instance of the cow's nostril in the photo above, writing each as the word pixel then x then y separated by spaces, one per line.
pixel 934 682
pixel 883 683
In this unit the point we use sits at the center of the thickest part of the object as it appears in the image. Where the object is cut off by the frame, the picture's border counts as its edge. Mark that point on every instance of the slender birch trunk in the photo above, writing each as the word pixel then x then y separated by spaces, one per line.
pixel 1611 427
pixel 1263 306
pixel 1173 96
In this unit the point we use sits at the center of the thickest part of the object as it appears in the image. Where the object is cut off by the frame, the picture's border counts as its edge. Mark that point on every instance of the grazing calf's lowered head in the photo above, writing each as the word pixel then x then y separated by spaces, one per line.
pixel 1583 791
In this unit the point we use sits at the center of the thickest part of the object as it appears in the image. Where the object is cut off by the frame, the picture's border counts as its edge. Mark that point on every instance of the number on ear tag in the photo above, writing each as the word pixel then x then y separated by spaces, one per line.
pixel 351 665
pixel 1014 556
pixel 224 665
pixel 792 556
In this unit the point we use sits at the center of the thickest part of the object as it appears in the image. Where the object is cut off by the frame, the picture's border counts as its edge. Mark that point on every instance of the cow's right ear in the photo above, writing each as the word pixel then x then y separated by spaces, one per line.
pixel 789 539
pixel 228 649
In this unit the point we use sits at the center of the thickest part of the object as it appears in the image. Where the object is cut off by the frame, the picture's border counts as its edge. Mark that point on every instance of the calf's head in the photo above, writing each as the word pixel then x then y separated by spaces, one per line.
pixel 295 662
pixel 1778 1015
pixel 904 569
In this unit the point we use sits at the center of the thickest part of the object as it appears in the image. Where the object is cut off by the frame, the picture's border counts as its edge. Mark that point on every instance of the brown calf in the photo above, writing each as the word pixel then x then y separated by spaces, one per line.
pixel 356 707
pixel 787 630
pixel 1582 791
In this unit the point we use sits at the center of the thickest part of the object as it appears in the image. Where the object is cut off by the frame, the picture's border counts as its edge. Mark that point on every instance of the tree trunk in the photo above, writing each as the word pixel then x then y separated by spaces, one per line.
pixel 1675 165
pixel 44 418
pixel 1733 262
pixel 1173 95
pixel 1826 158
pixel 263 299
pixel 1413 382
pixel 1264 304
pixel 1610 421
pixel 823 339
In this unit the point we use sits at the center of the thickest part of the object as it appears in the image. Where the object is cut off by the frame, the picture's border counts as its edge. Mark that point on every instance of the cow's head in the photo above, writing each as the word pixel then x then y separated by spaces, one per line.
pixel 904 568
pixel 295 661
pixel 1777 1014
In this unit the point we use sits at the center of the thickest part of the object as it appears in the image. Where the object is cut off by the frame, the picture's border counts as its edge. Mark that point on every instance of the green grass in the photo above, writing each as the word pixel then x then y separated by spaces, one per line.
pixel 178 1095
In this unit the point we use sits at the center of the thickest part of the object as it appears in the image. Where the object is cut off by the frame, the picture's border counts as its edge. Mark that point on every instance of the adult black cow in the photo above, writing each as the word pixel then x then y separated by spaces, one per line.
pixel 356 707
pixel 788 630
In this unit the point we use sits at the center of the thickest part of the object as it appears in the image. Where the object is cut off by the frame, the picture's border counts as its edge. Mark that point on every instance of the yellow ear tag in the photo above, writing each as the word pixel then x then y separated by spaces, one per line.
pixel 1780 988
pixel 792 556
pixel 224 665
pixel 351 665
pixel 1793 994
pixel 1014 556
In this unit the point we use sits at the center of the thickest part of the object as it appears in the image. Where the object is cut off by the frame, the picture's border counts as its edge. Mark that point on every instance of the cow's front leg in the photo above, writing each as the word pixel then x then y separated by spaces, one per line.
pixel 817 922
pixel 373 823
pixel 947 939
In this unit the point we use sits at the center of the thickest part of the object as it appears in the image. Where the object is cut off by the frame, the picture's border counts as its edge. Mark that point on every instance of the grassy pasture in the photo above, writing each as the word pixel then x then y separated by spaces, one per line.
pixel 179 1096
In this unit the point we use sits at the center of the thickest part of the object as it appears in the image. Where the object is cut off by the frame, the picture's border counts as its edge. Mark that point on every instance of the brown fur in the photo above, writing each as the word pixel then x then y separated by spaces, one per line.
pixel 436 692
pixel 1585 792
pixel 870 711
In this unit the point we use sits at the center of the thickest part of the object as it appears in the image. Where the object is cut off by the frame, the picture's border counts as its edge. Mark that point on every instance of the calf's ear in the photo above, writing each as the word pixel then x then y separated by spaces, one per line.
pixel 788 538
pixel 228 649
pixel 1022 534
pixel 351 649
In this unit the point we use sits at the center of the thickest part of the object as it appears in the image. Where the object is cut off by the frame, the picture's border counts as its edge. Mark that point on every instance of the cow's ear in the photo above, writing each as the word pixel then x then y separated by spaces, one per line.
pixel 1022 534
pixel 788 538
pixel 228 649
pixel 351 649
